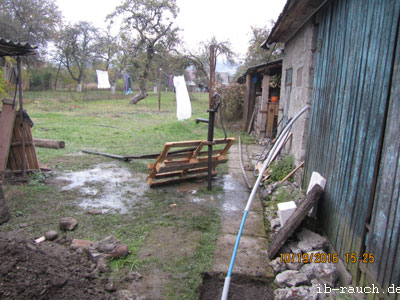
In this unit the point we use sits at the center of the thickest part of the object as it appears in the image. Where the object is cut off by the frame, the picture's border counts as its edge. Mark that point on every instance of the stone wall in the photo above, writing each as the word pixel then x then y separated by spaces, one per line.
pixel 297 85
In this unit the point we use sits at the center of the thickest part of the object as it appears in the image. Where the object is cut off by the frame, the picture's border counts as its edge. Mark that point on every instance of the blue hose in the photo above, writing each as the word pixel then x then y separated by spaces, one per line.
pixel 251 197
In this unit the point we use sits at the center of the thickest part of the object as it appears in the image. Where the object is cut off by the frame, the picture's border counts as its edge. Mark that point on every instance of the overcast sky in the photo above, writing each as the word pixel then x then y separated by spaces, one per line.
pixel 199 19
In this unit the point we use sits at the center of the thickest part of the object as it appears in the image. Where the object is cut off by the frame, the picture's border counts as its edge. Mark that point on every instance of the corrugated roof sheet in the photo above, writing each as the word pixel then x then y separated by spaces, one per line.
pixel 292 18
pixel 13 48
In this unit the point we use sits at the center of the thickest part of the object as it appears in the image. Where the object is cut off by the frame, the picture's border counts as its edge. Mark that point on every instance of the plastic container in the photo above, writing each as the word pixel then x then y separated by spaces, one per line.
pixel 274 99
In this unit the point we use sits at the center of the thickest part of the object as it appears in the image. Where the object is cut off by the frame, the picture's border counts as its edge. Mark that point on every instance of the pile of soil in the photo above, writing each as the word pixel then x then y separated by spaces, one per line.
pixel 49 270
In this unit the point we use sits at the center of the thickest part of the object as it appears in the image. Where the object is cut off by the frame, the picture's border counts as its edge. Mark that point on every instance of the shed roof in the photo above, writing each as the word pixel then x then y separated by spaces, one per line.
pixel 12 48
pixel 294 15
pixel 271 67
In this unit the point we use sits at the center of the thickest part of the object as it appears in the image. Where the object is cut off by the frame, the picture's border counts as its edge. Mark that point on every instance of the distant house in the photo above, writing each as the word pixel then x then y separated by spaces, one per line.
pixel 191 86
pixel 223 78
pixel 343 58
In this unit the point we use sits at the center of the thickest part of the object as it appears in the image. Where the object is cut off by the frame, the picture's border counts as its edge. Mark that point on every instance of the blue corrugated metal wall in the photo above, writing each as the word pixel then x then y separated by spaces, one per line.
pixel 356 46
pixel 383 238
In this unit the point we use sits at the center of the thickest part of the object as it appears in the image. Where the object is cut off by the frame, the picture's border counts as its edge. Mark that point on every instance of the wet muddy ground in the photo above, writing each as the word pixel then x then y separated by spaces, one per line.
pixel 241 288
pixel 106 186
pixel 172 239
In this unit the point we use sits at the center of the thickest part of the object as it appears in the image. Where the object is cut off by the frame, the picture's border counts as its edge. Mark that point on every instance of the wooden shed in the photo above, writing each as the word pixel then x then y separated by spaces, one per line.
pixel 353 138
pixel 259 112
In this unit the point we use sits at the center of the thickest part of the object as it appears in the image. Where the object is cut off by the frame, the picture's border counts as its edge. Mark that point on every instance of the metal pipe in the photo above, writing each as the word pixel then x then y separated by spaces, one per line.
pixel 225 291
pixel 210 141
pixel 198 120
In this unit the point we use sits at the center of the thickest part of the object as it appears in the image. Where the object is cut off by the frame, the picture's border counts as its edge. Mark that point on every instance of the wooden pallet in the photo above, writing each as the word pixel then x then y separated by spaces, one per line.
pixel 188 165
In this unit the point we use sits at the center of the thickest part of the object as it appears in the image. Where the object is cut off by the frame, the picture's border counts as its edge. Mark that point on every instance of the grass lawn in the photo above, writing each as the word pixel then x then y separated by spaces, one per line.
pixel 101 122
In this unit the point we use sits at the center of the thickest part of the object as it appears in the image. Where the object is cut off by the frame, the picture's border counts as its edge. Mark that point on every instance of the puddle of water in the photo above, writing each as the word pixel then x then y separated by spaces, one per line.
pixel 231 184
pixel 107 187
pixel 235 194
pixel 198 200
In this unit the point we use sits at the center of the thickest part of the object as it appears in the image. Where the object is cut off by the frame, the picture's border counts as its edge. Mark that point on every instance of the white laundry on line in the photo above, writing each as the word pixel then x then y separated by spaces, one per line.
pixel 183 106
pixel 102 80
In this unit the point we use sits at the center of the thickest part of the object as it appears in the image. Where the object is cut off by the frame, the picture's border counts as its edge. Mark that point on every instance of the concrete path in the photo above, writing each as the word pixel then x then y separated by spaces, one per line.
pixel 251 259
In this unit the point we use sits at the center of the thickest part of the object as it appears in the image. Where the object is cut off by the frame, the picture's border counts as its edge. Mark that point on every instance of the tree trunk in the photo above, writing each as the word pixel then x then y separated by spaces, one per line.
pixel 139 96
pixel 80 80
pixel 113 89
pixel 142 90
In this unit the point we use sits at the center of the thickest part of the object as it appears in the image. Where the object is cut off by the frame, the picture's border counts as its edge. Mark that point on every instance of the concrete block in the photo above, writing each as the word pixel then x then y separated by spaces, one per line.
pixel 285 210
pixel 316 178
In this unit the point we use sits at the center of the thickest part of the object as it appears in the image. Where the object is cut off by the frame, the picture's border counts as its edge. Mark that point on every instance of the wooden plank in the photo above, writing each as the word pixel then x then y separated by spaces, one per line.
pixel 294 221
pixel 153 183
pixel 202 153
pixel 179 173
pixel 17 150
pixel 273 109
pixel 194 165
pixel 29 149
pixel 7 120
pixel 250 126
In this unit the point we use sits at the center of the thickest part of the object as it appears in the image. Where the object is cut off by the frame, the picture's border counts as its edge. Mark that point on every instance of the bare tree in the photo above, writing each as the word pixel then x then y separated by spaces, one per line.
pixel 75 49
pixel 201 59
pixel 152 22
pixel 108 55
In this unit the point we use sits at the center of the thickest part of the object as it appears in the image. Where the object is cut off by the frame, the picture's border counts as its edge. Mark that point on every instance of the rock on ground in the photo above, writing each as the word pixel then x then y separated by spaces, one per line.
pixel 109 248
pixel 51 235
pixel 325 273
pixel 309 241
pixel 295 265
pixel 81 244
pixel 294 248
pixel 291 278
pixel 278 265
pixel 68 224
pixel 275 223
pixel 296 293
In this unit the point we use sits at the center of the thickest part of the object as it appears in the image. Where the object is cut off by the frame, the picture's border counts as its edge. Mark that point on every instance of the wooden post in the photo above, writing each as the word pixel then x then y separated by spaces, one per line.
pixel 246 103
pixel 159 89
pixel 21 114
pixel 249 101
pixel 264 106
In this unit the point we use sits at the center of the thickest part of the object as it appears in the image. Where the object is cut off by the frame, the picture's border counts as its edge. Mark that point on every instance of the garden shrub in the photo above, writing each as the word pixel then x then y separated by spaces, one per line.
pixel 232 97
pixel 281 169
